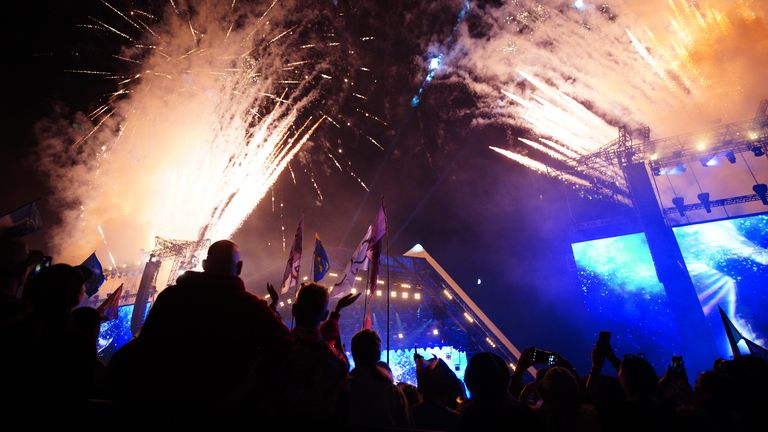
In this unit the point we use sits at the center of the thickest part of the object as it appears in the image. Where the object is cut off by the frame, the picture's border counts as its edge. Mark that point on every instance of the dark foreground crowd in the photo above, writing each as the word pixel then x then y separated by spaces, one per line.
pixel 211 350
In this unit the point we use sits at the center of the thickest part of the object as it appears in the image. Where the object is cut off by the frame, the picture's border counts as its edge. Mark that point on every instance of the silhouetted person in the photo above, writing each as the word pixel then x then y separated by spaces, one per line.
pixel 644 409
pixel 88 320
pixel 562 408
pixel 440 389
pixel 490 406
pixel 15 260
pixel 200 339
pixel 375 401
pixel 715 405
pixel 749 376
pixel 51 371
pixel 310 380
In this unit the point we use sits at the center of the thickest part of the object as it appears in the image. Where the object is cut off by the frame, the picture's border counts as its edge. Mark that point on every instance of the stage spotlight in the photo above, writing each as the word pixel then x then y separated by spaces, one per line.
pixel 708 161
pixel 679 203
pixel 731 157
pixel 704 200
pixel 757 150
pixel 655 170
pixel 761 189
pixel 680 168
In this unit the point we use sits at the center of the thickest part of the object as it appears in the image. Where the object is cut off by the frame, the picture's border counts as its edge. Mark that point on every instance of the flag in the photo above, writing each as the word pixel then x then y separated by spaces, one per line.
pixel 734 336
pixel 108 309
pixel 320 263
pixel 97 274
pixel 374 245
pixel 20 222
pixel 358 261
pixel 293 266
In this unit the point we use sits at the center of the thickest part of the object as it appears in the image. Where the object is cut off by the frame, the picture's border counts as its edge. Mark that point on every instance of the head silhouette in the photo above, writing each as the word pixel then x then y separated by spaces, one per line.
pixel 487 376
pixel 223 259
pixel 638 378
pixel 438 383
pixel 366 347
pixel 560 390
pixel 57 288
pixel 311 307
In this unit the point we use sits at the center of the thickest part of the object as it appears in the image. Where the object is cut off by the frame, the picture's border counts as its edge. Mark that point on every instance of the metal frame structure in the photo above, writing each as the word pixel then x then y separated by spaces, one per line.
pixel 184 253
pixel 636 146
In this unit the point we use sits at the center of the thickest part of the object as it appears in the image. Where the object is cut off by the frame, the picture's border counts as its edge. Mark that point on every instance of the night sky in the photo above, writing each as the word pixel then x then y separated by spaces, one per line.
pixel 480 215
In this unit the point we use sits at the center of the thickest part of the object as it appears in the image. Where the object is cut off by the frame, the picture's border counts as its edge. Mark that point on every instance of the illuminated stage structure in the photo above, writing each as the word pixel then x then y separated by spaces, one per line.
pixel 428 311
pixel 181 254
pixel 657 277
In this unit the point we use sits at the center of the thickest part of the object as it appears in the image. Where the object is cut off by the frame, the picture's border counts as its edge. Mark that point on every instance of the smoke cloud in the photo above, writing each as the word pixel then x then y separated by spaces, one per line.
pixel 212 101
pixel 692 64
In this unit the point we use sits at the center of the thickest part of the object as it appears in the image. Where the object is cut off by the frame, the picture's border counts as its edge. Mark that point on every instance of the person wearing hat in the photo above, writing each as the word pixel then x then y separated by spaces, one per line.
pixel 49 356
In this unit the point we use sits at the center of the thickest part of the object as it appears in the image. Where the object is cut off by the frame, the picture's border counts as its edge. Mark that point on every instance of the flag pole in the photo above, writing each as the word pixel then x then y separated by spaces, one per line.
pixel 388 295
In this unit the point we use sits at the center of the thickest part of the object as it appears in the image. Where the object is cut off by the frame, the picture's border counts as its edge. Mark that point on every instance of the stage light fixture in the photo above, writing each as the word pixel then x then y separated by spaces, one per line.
pixel 680 168
pixel 655 169
pixel 704 200
pixel 761 189
pixel 730 156
pixel 757 150
pixel 679 203
pixel 708 161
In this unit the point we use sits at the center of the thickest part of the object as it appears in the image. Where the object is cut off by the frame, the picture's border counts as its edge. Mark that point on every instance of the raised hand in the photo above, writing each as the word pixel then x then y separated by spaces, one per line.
pixel 346 301
pixel 273 296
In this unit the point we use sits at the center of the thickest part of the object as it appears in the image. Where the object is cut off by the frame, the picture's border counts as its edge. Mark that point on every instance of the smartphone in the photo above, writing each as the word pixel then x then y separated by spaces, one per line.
pixel 677 363
pixel 604 339
pixel 43 264
pixel 543 357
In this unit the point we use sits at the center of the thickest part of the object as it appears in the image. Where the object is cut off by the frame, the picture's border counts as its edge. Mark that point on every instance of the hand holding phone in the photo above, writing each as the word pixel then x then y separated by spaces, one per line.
pixel 677 364
pixel 44 264
pixel 604 339
pixel 416 355
pixel 543 357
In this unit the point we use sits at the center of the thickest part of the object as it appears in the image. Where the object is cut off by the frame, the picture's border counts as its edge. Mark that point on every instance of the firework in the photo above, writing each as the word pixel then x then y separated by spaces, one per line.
pixel 219 100
pixel 572 75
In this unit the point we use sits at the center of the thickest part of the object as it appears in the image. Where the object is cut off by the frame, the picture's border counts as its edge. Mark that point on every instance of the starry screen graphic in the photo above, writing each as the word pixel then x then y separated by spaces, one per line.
pixel 116 333
pixel 623 295
pixel 404 367
pixel 728 263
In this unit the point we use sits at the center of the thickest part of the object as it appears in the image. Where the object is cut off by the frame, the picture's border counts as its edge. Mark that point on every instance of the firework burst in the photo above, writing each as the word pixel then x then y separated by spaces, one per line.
pixel 211 105
pixel 573 74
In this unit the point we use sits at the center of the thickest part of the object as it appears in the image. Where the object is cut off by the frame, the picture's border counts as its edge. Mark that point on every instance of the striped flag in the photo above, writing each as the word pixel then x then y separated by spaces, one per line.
pixel 20 222
pixel 293 266
pixel 108 309
pixel 374 245
pixel 358 261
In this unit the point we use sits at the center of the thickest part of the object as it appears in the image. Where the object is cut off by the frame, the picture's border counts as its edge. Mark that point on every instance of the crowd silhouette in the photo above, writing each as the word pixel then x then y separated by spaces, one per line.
pixel 210 349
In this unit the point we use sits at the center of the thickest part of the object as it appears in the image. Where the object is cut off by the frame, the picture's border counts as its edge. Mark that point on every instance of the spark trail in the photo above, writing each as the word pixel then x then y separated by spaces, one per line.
pixel 196 135
pixel 572 72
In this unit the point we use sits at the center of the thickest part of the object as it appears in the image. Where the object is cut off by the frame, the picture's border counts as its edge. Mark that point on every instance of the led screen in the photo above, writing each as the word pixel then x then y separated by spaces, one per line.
pixel 624 296
pixel 728 263
pixel 404 367
pixel 116 333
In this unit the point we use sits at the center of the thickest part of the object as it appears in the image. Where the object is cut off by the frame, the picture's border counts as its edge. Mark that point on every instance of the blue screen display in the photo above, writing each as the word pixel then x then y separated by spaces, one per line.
pixel 404 367
pixel 116 333
pixel 624 296
pixel 728 263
